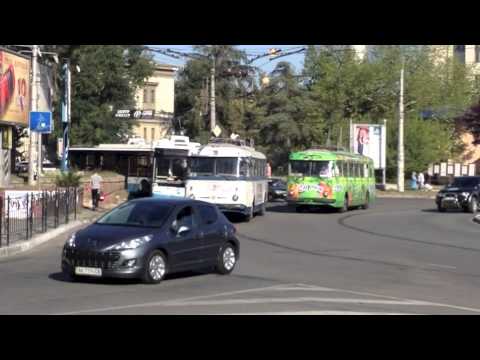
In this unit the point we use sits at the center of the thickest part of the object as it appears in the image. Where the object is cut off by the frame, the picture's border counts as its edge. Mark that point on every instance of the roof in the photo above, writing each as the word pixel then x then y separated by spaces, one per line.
pixel 165 67
pixel 229 150
pixel 170 201
pixel 318 154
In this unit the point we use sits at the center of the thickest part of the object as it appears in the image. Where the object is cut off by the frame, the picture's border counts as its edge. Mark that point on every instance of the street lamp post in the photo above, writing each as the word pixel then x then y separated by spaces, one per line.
pixel 401 155
pixel 33 107
pixel 66 116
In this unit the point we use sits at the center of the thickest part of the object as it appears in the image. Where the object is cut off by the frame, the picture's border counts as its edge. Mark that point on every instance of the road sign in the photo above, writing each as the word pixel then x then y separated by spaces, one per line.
pixel 41 122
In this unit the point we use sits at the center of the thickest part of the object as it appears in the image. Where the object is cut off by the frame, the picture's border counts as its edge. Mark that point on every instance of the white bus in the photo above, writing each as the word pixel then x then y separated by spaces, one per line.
pixel 231 175
pixel 157 169
pixel 171 166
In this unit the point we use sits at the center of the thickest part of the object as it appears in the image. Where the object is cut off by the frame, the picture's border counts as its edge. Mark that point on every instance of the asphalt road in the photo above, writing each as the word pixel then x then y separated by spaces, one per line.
pixel 398 257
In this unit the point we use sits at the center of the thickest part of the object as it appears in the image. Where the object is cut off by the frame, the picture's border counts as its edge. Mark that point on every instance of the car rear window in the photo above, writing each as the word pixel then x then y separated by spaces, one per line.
pixel 141 214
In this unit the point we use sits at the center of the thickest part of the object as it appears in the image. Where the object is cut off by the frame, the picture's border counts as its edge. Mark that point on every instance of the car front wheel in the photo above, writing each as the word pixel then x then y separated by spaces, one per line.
pixel 156 268
pixel 473 205
pixel 441 208
pixel 227 259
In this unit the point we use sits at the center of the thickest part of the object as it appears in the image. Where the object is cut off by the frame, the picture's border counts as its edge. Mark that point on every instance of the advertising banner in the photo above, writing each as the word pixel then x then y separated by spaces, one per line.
pixel 370 140
pixel 14 88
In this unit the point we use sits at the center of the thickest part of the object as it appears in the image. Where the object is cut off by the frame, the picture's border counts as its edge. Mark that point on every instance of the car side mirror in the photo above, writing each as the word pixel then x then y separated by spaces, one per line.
pixel 183 230
pixel 174 226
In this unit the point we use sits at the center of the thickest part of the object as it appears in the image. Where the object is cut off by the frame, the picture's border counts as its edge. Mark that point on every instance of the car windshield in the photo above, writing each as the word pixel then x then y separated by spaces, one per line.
pixel 278 184
pixel 468 182
pixel 141 214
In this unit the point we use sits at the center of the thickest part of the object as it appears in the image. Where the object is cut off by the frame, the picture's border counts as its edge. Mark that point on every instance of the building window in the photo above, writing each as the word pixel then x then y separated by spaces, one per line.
pixel 153 134
pixel 477 53
pixel 460 53
pixel 149 96
pixel 145 133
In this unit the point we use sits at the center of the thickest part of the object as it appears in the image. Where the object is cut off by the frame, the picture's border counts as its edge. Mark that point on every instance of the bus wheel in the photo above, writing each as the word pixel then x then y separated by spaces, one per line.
pixel 344 208
pixel 367 202
pixel 249 216
pixel 263 210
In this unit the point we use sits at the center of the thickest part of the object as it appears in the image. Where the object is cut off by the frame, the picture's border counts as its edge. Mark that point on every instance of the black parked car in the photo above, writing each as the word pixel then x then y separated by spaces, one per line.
pixel 149 238
pixel 277 189
pixel 462 193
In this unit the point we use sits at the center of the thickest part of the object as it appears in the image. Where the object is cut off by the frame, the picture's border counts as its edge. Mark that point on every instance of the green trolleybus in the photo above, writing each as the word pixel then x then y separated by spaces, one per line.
pixel 323 177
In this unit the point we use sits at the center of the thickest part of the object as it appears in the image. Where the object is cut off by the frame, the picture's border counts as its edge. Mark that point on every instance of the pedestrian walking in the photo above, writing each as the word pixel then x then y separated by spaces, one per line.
pixel 96 184
pixel 413 181
pixel 421 181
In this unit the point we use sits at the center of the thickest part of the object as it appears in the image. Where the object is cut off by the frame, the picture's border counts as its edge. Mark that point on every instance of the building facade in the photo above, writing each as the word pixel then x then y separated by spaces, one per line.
pixel 465 54
pixel 156 100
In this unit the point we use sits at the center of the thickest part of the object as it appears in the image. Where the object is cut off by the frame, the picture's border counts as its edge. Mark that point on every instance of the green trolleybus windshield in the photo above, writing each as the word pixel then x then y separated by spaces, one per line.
pixel 301 168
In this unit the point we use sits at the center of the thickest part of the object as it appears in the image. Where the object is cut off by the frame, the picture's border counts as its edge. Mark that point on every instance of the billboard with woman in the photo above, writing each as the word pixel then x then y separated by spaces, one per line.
pixel 14 88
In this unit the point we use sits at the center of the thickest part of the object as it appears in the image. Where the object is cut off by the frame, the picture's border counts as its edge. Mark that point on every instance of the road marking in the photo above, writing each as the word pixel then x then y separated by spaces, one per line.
pixel 443 266
pixel 322 312
pixel 161 303
pixel 295 300
pixel 303 288
pixel 197 300
pixel 397 298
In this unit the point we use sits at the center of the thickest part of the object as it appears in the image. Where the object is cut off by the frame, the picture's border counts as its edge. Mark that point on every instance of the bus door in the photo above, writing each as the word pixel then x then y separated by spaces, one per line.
pixel 350 181
pixel 358 180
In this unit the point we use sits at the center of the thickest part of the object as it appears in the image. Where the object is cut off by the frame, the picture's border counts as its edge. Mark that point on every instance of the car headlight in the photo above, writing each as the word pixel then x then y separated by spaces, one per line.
pixel 71 242
pixel 465 194
pixel 132 244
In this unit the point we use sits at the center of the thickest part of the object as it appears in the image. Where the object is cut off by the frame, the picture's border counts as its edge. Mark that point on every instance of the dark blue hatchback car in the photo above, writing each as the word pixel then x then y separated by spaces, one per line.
pixel 149 238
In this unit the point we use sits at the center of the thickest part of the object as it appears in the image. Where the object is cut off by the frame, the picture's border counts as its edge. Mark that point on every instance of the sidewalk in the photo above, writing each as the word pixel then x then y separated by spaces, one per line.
pixel 84 217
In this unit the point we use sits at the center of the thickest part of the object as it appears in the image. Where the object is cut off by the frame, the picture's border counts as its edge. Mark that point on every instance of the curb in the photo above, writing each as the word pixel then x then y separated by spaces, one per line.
pixel 39 239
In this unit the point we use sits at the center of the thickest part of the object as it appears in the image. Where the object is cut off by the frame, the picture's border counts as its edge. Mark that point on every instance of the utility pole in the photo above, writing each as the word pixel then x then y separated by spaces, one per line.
pixel 384 170
pixel 66 109
pixel 33 107
pixel 401 156
pixel 213 121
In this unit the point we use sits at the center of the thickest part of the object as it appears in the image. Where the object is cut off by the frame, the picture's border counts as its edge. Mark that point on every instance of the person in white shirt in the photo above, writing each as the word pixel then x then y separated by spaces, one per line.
pixel 96 183
pixel 421 181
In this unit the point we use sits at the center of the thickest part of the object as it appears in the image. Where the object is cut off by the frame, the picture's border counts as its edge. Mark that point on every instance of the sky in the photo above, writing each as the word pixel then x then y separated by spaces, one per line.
pixel 264 63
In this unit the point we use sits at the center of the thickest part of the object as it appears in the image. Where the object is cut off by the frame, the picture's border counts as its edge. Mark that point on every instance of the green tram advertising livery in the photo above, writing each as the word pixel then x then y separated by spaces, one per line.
pixel 338 179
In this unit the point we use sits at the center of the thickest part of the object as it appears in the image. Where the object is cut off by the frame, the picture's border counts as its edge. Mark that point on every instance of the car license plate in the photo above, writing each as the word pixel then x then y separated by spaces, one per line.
pixel 88 271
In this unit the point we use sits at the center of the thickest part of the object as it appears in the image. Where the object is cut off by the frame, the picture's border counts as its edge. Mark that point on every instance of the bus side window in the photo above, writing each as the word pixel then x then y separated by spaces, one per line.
pixel 244 164
pixel 365 170
pixel 337 169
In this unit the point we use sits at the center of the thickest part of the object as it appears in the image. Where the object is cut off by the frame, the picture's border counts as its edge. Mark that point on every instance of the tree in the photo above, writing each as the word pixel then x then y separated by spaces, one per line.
pixel 426 141
pixel 232 85
pixel 109 77
pixel 282 118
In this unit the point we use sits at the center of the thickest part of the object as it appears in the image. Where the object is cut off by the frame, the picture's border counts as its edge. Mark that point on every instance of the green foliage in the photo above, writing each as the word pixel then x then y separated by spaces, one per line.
pixel 68 179
pixel 193 95
pixel 426 141
pixel 109 77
